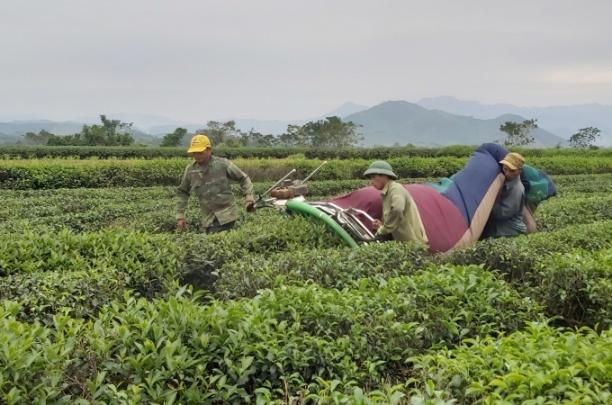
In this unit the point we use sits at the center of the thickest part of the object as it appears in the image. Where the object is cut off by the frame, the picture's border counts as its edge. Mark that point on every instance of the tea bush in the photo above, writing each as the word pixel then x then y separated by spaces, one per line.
pixel 539 365
pixel 559 212
pixel 516 257
pixel 265 234
pixel 282 340
pixel 574 286
pixel 34 359
pixel 78 274
pixel 335 268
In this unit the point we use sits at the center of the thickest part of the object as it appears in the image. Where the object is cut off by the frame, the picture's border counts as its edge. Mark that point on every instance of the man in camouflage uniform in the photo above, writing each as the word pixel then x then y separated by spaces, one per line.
pixel 208 177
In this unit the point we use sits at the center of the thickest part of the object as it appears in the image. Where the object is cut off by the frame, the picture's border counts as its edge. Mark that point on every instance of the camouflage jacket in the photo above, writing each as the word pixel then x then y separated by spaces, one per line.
pixel 210 183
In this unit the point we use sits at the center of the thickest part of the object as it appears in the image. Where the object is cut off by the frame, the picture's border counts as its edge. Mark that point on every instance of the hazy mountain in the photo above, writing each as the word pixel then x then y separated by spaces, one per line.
pixel 266 126
pixel 263 126
pixel 159 126
pixel 448 121
pixel 562 120
pixel 144 122
pixel 277 127
pixel 402 122
pixel 9 139
pixel 161 130
pixel 19 128
pixel 11 132
pixel 346 109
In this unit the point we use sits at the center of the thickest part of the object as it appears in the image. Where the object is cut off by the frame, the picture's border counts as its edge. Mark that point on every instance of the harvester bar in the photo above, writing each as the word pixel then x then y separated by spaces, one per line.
pixel 278 182
pixel 313 172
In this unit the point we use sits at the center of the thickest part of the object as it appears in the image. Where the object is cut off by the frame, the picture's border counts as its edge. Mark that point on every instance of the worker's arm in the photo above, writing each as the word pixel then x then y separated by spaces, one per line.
pixel 182 195
pixel 392 222
pixel 235 174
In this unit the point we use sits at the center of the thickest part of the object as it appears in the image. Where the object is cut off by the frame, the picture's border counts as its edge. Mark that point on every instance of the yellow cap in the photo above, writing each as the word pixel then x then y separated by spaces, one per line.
pixel 513 161
pixel 199 143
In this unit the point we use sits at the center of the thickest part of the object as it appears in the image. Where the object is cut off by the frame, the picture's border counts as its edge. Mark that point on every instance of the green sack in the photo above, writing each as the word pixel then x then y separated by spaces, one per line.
pixel 537 189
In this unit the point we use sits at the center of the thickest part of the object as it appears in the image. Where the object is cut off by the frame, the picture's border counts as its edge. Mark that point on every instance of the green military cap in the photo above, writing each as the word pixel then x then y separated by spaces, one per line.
pixel 380 167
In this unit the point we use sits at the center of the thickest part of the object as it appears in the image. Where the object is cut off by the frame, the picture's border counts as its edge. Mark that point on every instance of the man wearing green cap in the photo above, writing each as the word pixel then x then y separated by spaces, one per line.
pixel 208 177
pixel 401 219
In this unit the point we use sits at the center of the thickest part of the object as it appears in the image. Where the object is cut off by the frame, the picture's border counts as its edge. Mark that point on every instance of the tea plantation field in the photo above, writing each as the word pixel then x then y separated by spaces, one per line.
pixel 101 301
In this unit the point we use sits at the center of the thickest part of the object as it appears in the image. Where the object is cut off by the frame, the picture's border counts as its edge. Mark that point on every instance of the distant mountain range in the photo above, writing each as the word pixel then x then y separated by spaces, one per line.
pixel 22 126
pixel 401 122
pixel 429 122
pixel 147 126
pixel 560 120
pixel 11 132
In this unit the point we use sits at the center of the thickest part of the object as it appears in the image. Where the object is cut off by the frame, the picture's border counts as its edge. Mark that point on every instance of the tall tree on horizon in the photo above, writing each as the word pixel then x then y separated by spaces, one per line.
pixel 585 137
pixel 331 132
pixel 518 132
pixel 174 138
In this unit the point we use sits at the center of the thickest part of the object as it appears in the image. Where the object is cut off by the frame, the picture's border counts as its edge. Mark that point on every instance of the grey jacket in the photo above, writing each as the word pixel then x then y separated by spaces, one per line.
pixel 507 214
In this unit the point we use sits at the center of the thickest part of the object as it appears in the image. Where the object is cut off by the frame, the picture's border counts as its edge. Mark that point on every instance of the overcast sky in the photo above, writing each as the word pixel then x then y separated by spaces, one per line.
pixel 196 60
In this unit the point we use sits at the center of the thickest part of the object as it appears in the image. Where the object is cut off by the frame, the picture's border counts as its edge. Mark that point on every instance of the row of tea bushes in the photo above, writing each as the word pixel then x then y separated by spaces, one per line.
pixel 62 173
pixel 567 185
pixel 283 340
pixel 511 255
pixel 32 252
pixel 583 183
pixel 126 152
pixel 51 273
pixel 155 352
pixel 557 213
pixel 567 271
pixel 331 268
pixel 152 209
pixel 268 233
pixel 573 286
pixel 515 257
pixel 541 364
pixel 265 234
pixel 455 151
pixel 54 173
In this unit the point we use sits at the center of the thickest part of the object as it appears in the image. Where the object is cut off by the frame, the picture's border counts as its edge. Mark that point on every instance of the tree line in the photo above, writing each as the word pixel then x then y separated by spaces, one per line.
pixel 330 132
pixel 519 134
pixel 108 133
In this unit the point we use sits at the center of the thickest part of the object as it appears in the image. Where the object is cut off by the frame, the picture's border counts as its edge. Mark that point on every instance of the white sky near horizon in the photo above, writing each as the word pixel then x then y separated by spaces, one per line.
pixel 194 60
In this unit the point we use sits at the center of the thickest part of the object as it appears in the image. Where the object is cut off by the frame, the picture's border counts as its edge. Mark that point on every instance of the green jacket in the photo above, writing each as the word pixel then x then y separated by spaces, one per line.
pixel 400 215
pixel 211 185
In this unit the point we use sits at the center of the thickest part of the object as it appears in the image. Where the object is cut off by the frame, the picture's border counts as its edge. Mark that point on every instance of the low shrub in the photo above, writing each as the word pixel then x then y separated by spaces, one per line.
pixel 539 365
